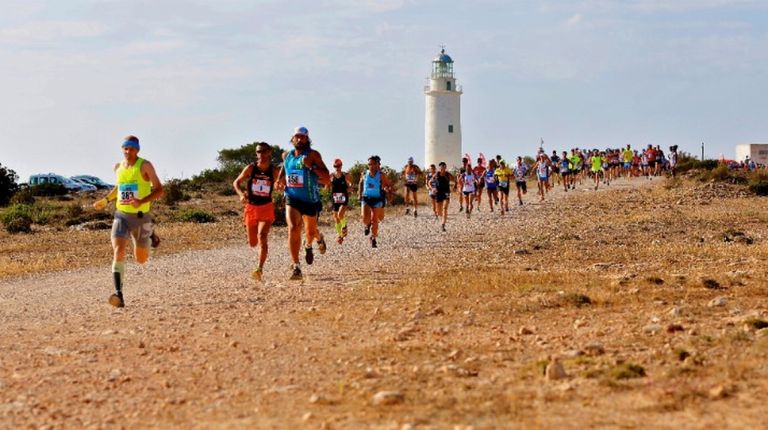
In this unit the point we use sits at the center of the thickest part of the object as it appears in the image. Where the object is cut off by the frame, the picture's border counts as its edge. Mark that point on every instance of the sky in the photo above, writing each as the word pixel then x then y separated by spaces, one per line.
pixel 190 78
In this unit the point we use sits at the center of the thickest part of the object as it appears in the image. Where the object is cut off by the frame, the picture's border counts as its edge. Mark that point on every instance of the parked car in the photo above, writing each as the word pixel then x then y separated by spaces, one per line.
pixel 52 178
pixel 86 186
pixel 93 180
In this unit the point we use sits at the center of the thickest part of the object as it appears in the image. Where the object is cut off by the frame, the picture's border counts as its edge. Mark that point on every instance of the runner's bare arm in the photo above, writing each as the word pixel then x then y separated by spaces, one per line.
pixel 315 163
pixel 244 174
pixel 148 171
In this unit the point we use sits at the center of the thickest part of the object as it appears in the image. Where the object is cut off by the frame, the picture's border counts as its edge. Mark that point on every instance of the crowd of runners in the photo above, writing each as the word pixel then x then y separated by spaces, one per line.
pixel 303 174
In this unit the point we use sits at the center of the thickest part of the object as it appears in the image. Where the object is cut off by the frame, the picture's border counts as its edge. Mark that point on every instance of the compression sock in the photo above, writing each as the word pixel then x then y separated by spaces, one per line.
pixel 118 267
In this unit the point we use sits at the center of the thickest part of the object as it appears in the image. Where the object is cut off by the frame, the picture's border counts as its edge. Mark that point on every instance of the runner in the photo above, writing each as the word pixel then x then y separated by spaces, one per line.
pixel 522 187
pixel 627 156
pixel 479 172
pixel 596 161
pixel 542 174
pixel 555 165
pixel 443 192
pixel 565 170
pixel 258 211
pixel 432 187
pixel 373 186
pixel 575 160
pixel 465 166
pixel 303 172
pixel 339 186
pixel 467 183
pixel 673 160
pixel 410 174
pixel 503 176
pixel 490 183
pixel 137 185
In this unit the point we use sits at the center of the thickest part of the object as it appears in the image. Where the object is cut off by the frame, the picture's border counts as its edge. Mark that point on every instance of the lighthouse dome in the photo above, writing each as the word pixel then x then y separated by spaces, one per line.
pixel 443 58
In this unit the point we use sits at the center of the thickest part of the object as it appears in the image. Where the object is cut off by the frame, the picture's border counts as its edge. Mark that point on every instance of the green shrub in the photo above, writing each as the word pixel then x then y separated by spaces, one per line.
pixel 173 192
pixel 8 185
pixel 48 189
pixel 18 218
pixel 195 215
pixel 23 196
pixel 74 210
pixel 758 183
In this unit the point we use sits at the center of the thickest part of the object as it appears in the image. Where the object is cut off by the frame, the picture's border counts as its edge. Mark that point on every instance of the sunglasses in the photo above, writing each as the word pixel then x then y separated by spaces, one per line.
pixel 337 165
pixel 261 151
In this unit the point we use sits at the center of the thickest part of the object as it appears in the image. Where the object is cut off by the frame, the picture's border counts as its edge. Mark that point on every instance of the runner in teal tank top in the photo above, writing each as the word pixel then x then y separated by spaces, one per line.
pixel 302 173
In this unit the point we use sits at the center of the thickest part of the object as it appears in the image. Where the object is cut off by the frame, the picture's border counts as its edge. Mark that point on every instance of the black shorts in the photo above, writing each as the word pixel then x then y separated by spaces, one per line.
pixel 441 197
pixel 566 173
pixel 304 208
pixel 504 190
pixel 411 187
pixel 481 185
pixel 522 185
pixel 337 206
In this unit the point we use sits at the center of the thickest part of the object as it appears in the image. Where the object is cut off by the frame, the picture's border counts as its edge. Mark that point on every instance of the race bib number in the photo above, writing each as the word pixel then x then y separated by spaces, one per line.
pixel 294 180
pixel 261 187
pixel 504 184
pixel 410 178
pixel 491 179
pixel 339 198
pixel 127 192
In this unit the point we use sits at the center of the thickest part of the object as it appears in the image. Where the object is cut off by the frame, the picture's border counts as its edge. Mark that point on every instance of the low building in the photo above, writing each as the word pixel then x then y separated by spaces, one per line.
pixel 754 151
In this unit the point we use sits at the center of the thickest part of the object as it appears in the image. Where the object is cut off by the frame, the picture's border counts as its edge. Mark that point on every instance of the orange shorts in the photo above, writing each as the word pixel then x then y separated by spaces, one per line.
pixel 255 214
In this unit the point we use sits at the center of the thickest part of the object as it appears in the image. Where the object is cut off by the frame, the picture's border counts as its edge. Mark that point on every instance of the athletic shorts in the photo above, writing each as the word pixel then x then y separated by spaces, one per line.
pixel 504 190
pixel 468 193
pixel 544 178
pixel 628 165
pixel 522 185
pixel 254 214
pixel 412 187
pixel 480 185
pixel 373 202
pixel 337 206
pixel 652 164
pixel 566 173
pixel 441 197
pixel 304 208
pixel 491 187
pixel 139 228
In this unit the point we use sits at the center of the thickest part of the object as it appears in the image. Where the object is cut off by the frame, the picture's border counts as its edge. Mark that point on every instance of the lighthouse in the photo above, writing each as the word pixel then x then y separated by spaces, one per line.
pixel 442 125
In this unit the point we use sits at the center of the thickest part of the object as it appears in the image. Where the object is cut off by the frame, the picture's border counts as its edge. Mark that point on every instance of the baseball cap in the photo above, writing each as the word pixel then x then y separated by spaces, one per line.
pixel 131 142
pixel 337 162
pixel 410 159
pixel 301 130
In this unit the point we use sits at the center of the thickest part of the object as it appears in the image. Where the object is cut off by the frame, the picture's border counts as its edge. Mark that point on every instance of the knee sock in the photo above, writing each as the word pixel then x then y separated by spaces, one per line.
pixel 118 267
pixel 338 228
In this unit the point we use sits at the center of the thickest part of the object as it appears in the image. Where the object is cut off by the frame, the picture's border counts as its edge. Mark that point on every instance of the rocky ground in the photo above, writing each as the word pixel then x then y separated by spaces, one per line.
pixel 640 305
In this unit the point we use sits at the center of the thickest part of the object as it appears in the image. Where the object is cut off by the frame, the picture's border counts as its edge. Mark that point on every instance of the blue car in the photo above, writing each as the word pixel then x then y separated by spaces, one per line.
pixel 93 180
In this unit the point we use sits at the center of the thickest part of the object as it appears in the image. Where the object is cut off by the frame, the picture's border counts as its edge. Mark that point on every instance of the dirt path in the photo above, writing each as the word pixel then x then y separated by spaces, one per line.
pixel 200 345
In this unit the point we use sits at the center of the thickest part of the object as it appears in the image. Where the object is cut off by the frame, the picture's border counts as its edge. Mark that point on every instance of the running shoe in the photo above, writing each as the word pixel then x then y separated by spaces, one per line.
pixel 296 275
pixel 467 214
pixel 309 256
pixel 339 240
pixel 407 211
pixel 321 244
pixel 116 300
pixel 443 227
pixel 367 229
pixel 344 232
pixel 461 208
pixel 373 242
pixel 256 274
pixel 155 240
pixel 415 213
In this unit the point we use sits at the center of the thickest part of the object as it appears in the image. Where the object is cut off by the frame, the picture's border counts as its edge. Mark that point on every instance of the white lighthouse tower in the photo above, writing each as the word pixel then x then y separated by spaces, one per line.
pixel 442 125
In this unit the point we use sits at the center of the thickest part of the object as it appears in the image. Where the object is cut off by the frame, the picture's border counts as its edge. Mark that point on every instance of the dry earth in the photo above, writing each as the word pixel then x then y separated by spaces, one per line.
pixel 649 294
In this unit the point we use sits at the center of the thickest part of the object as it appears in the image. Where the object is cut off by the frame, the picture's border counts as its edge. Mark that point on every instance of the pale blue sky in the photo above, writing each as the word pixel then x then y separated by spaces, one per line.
pixel 192 77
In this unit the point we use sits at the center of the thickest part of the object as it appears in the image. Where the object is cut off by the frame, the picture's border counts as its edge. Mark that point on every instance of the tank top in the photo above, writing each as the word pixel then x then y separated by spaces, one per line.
pixel 131 185
pixel 443 184
pixel 260 185
pixel 432 181
pixel 300 182
pixel 339 191
pixel 543 170
pixel 490 179
pixel 372 185
pixel 469 183
pixel 565 165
